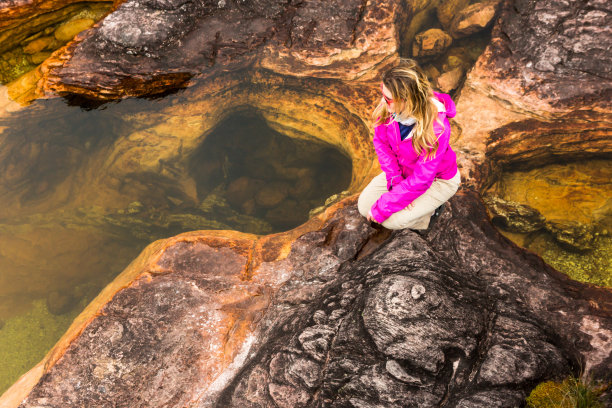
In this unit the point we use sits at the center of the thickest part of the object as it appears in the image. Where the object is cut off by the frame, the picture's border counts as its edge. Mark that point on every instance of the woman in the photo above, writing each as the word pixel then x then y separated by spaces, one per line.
pixel 411 140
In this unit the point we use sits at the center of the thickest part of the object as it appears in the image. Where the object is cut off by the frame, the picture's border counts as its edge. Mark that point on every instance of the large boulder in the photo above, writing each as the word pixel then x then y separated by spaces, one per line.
pixel 343 315
pixel 160 46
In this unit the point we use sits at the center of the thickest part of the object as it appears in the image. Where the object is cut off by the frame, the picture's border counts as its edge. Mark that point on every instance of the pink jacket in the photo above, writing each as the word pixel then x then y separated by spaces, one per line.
pixel 409 175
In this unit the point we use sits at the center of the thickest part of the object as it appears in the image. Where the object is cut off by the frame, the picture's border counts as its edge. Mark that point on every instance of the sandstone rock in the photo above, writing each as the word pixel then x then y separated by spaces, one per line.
pixel 450 80
pixel 316 39
pixel 303 187
pixel 432 73
pixel 272 343
pixel 419 20
pixel 242 189
pixel 514 216
pixel 67 31
pixel 572 234
pixel 20 20
pixel 511 105
pixel 272 194
pixel 473 18
pixel 39 57
pixel 431 43
pixel 447 10
pixel 37 45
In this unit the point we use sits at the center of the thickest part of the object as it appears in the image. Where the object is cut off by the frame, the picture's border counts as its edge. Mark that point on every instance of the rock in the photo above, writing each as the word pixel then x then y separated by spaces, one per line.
pixel 38 45
pixel 448 10
pixel 67 31
pixel 419 20
pixel 450 80
pixel 242 190
pixel 417 291
pixel 431 43
pixel 304 186
pixel 432 72
pixel 134 207
pixel 287 214
pixel 272 194
pixel 493 321
pixel 313 39
pixel 514 216
pixel 457 57
pixel 248 207
pixel 396 370
pixel 473 18
pixel 59 303
pixel 572 234
pixel 39 57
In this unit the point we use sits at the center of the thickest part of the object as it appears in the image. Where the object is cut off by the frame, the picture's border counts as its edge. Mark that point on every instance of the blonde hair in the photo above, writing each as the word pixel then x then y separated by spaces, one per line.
pixel 412 95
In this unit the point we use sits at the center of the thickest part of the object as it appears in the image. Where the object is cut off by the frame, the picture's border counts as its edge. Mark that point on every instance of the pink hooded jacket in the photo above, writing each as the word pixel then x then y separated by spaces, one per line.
pixel 408 174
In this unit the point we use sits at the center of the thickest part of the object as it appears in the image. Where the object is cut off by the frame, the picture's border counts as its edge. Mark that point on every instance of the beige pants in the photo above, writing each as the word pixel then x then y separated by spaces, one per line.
pixel 423 208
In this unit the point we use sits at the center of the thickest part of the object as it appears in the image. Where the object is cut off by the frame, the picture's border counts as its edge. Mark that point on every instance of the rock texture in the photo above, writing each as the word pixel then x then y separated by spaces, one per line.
pixel 457 317
pixel 541 90
pixel 341 39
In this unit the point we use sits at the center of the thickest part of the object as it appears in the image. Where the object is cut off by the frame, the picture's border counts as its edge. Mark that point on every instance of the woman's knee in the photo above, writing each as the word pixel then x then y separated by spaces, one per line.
pixel 363 204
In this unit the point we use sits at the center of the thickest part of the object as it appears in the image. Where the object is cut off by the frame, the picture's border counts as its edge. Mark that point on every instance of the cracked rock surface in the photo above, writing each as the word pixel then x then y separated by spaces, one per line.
pixel 352 316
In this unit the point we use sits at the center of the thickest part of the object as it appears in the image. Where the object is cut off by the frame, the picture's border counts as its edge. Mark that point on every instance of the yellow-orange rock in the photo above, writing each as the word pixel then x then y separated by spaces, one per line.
pixel 67 31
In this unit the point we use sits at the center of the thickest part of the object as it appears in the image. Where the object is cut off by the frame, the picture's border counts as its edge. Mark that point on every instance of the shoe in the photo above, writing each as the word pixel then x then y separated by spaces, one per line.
pixel 435 215
pixel 439 211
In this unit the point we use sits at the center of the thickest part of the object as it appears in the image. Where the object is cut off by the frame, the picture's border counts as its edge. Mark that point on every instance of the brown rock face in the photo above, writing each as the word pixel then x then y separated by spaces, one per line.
pixel 542 71
pixel 431 43
pixel 318 39
pixel 473 18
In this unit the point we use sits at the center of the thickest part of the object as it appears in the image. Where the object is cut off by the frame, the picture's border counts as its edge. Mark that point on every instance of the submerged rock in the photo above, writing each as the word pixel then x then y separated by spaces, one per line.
pixel 514 216
pixel 454 316
pixel 572 234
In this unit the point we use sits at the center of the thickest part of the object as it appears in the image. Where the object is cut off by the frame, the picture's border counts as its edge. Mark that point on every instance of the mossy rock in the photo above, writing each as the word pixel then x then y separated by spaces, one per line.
pixel 570 393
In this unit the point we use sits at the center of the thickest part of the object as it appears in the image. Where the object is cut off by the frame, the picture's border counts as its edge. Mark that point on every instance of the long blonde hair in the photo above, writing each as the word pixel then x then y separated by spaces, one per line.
pixel 412 95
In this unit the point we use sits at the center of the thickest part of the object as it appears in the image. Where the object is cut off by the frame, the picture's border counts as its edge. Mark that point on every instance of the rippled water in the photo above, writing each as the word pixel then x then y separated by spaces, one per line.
pixel 66 230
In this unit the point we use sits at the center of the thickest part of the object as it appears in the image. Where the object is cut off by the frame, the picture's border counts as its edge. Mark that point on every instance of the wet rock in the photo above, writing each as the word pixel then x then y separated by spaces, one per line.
pixel 67 31
pixel 287 214
pixel 242 190
pixel 59 303
pixel 448 10
pixel 473 18
pixel 38 45
pixel 514 216
pixel 39 57
pixel 572 234
pixel 431 43
pixel 272 194
pixel 432 72
pixel 421 19
pixel 450 80
pixel 390 302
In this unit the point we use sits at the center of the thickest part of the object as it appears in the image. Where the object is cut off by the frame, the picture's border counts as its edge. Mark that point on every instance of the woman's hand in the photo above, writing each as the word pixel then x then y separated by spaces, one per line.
pixel 370 217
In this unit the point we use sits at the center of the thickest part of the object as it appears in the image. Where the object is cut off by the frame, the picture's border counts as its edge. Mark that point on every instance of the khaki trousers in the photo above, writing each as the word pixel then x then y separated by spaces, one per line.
pixel 423 208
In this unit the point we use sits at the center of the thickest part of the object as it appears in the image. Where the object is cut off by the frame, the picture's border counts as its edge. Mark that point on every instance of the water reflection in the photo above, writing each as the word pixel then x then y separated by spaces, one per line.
pixel 67 230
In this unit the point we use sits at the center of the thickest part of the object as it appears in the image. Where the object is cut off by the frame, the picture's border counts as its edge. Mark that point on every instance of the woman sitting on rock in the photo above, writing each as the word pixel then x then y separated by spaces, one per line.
pixel 411 140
